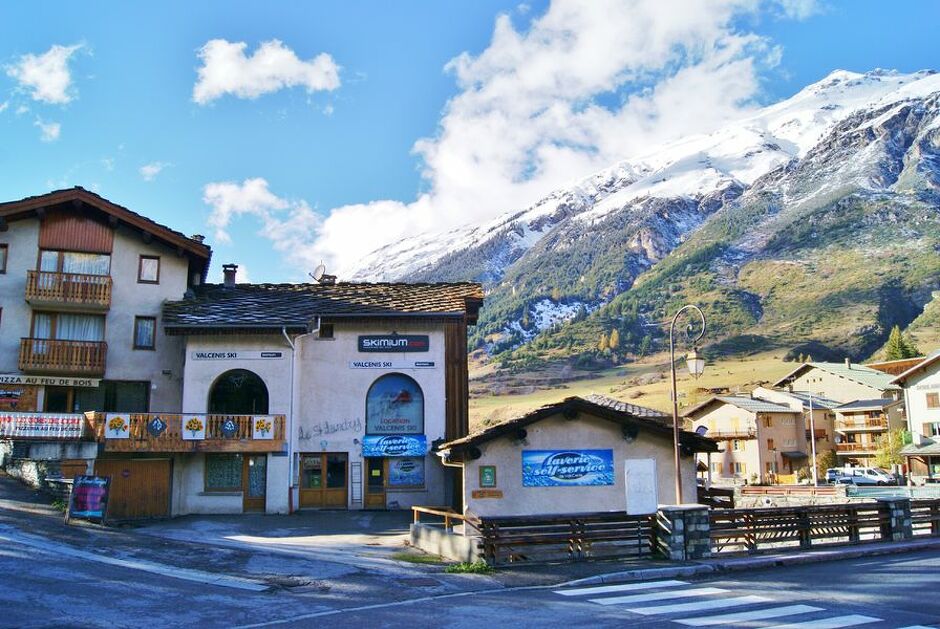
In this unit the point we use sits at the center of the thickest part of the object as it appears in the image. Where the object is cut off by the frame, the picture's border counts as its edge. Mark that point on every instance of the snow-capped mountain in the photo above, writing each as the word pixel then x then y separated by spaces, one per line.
pixel 814 218
pixel 693 168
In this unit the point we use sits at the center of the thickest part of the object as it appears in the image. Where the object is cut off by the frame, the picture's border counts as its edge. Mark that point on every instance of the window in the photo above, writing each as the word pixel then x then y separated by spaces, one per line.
pixel 789 443
pixel 933 400
pixel 406 471
pixel 768 422
pixel 770 444
pixel 326 331
pixel 3 258
pixel 932 430
pixel 788 421
pixel 68 327
pixel 148 270
pixel 113 396
pixel 223 472
pixel 145 333
pixel 716 468
pixel 739 468
pixel 395 406
pixel 74 262
pixel 737 444
pixel 238 392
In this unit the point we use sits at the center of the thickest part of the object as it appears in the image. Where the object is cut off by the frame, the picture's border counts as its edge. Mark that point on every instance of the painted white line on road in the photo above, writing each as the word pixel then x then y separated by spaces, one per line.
pixel 699 606
pixel 831 623
pixel 625 587
pixel 917 627
pixel 760 614
pixel 185 574
pixel 657 596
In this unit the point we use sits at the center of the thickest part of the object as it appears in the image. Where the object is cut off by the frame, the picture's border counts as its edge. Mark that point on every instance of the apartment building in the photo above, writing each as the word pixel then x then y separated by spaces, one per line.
pixel 861 424
pixel 758 440
pixel 818 413
pixel 922 398
pixel 843 382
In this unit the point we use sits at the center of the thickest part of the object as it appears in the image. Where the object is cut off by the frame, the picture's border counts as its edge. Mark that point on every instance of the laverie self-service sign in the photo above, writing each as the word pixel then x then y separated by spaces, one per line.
pixel 554 468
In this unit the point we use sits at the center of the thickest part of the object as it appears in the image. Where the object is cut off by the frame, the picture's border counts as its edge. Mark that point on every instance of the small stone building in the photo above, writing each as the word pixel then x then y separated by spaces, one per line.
pixel 575 456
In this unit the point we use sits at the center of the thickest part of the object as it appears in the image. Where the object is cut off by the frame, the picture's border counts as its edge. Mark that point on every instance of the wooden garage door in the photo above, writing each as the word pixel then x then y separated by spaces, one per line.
pixel 139 488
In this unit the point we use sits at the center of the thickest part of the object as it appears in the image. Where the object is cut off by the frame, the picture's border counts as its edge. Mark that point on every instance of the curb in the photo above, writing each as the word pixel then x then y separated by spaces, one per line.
pixel 738 564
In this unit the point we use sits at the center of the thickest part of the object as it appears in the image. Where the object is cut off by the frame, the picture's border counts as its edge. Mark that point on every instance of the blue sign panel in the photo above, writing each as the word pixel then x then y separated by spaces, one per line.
pixel 553 468
pixel 394 445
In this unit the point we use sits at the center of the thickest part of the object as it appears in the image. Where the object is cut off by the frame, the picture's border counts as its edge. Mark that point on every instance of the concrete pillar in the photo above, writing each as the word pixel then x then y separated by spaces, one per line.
pixel 683 532
pixel 898 512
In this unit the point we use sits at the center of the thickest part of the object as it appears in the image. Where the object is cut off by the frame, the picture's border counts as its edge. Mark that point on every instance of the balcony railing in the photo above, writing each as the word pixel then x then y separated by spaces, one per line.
pixel 749 433
pixel 856 447
pixel 48 356
pixel 862 424
pixel 173 432
pixel 69 289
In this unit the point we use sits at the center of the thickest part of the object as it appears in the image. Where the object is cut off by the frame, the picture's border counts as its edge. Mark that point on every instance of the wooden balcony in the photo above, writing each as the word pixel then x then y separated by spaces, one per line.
pixel 68 290
pixel 849 448
pixel 142 436
pixel 74 358
pixel 748 433
pixel 867 424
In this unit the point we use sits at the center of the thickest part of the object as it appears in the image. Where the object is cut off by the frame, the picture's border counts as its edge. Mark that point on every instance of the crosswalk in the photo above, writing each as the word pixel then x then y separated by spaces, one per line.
pixel 694 605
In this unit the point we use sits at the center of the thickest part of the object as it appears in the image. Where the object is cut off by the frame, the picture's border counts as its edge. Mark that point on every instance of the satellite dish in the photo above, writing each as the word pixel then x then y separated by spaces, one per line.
pixel 318 272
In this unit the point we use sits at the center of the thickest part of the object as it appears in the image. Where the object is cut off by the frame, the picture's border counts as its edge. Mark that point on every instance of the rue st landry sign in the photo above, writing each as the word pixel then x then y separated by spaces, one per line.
pixel 392 343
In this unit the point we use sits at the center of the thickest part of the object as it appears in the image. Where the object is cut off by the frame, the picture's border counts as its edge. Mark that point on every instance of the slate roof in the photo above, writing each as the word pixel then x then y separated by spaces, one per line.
pixel 857 373
pixel 930 446
pixel 747 403
pixel 818 402
pixel 571 407
pixel 295 306
pixel 626 407
pixel 864 405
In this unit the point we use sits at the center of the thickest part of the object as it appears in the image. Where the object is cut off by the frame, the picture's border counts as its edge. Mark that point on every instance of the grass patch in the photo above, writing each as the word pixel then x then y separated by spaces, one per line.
pixel 59 505
pixel 465 567
pixel 422 558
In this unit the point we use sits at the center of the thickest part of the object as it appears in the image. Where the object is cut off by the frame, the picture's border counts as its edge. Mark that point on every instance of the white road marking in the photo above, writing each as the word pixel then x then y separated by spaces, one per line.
pixel 699 606
pixel 625 587
pixel 657 596
pixel 135 564
pixel 760 614
pixel 831 623
pixel 917 627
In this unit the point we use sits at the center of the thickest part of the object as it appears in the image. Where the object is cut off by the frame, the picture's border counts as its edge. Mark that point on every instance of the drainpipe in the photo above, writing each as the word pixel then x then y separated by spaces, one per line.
pixel 290 421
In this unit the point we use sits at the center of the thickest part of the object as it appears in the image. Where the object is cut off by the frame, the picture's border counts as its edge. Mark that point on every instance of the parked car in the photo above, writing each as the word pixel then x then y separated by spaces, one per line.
pixel 834 473
pixel 865 476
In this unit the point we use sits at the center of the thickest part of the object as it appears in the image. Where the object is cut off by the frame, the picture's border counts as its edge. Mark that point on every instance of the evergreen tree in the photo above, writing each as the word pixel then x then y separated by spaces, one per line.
pixel 912 349
pixel 897 348
pixel 645 345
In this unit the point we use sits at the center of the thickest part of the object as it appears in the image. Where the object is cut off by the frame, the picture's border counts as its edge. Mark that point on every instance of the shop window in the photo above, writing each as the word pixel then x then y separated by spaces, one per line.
pixel 113 396
pixel 933 400
pixel 148 270
pixel 4 251
pixel 395 406
pixel 223 472
pixel 238 392
pixel 145 333
pixel 406 471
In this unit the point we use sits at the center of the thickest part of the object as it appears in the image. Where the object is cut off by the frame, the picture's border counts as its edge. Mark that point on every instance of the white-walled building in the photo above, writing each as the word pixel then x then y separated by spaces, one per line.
pixel 922 398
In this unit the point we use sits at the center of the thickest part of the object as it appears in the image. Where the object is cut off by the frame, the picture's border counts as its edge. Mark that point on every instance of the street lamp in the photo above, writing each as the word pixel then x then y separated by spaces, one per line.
pixel 696 365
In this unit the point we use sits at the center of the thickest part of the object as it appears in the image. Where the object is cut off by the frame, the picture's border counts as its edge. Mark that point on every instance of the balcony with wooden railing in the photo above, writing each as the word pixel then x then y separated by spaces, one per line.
pixel 57 357
pixel 173 432
pixel 869 424
pixel 745 433
pixel 68 290
pixel 850 448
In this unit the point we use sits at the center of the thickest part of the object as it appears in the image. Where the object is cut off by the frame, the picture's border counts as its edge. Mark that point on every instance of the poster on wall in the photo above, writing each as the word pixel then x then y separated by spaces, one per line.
pixel 117 426
pixel 18 398
pixel 562 468
pixel 395 406
pixel 194 427
pixel 89 498
pixel 262 427
pixel 640 482
pixel 406 471
pixel 394 445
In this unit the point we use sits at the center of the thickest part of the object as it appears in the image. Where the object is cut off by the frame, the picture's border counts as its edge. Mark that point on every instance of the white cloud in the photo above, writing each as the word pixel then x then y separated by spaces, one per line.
pixel 48 131
pixel 4 105
pixel 46 77
pixel 108 163
pixel 585 84
pixel 226 69
pixel 150 171
pixel 290 225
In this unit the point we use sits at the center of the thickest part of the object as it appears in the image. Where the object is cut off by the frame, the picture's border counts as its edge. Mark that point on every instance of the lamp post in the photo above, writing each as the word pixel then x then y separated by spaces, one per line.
pixel 812 435
pixel 695 363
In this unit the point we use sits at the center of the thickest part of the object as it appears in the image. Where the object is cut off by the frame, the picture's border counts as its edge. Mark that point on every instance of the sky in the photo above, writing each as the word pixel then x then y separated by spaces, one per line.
pixel 293 133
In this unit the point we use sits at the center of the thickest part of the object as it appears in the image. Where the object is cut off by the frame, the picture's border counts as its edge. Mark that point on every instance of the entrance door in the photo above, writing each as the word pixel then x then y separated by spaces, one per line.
pixel 376 473
pixel 323 480
pixel 254 482
pixel 140 488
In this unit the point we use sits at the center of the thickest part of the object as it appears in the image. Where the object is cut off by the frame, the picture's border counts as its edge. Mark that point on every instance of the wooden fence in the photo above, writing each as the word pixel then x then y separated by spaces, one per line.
pixel 576 536
pixel 925 516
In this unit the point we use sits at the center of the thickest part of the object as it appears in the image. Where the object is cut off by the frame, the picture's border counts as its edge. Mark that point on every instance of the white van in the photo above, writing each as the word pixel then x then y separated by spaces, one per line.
pixel 865 476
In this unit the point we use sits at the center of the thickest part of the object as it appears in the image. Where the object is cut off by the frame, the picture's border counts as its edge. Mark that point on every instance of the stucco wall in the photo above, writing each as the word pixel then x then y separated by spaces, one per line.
pixel 584 433
pixel 834 387
pixel 22 238
pixel 915 394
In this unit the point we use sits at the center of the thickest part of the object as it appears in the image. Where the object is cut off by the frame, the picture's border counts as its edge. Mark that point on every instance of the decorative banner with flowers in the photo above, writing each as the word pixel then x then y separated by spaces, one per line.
pixel 194 427
pixel 117 426
pixel 262 427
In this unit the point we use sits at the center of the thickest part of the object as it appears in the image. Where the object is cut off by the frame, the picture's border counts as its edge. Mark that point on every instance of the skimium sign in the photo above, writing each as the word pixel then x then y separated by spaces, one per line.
pixel 393 343
pixel 565 468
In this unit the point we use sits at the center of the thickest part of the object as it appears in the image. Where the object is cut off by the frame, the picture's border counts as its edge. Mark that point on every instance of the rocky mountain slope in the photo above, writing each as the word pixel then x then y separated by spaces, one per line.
pixel 813 225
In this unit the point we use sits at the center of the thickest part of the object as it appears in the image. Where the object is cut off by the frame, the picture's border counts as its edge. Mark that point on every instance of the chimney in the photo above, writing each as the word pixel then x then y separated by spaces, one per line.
pixel 228 272
pixel 198 238
pixel 328 280
pixel 848 363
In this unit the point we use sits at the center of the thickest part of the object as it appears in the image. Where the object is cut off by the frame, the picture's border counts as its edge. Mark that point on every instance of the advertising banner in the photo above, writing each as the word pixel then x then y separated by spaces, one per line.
pixel 394 343
pixel 564 468
pixel 395 406
pixel 394 445
pixel 194 427
pixel 41 426
pixel 89 498
pixel 117 426
pixel 262 427
pixel 406 472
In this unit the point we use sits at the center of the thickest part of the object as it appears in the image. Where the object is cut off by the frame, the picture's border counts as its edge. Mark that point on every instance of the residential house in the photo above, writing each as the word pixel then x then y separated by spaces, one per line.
pixel 861 424
pixel 922 398
pixel 818 413
pixel 844 382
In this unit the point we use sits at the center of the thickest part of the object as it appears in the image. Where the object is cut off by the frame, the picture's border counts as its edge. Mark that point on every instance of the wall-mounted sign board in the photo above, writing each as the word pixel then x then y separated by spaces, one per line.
pixel 52 381
pixel 394 343
pixel 560 468
pixel 391 364
pixel 394 445
pixel 237 355
pixel 54 426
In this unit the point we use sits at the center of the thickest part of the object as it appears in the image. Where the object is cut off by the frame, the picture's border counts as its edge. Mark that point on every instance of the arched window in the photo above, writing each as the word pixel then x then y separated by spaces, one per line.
pixel 238 392
pixel 395 406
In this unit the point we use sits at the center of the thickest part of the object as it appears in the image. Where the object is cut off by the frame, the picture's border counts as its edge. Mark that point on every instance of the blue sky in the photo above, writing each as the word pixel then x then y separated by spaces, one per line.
pixel 283 176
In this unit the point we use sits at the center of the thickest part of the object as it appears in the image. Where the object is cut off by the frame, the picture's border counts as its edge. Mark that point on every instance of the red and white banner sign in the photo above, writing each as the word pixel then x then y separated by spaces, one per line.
pixel 41 426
